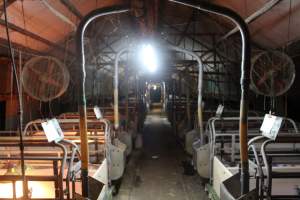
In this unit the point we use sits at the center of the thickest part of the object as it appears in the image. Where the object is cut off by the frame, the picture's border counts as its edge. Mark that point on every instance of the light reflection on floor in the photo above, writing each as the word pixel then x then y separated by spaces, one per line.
pixel 37 189
pixel 154 119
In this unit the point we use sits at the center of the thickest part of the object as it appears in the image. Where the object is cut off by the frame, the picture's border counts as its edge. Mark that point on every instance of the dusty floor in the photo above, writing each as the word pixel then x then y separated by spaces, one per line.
pixel 155 173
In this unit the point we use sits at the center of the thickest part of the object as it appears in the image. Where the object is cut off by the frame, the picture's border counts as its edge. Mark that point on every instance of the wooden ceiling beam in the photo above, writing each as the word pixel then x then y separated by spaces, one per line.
pixel 256 15
pixel 33 36
pixel 8 3
pixel 72 8
pixel 19 47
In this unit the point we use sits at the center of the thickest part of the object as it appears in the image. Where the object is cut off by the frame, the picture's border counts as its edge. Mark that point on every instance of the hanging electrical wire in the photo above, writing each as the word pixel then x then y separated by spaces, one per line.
pixel 289 26
pixel 24 24
pixel 25 189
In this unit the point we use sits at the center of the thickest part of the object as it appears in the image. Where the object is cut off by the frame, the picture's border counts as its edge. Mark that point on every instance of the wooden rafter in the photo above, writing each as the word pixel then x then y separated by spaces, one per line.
pixel 8 3
pixel 33 36
pixel 3 42
pixel 72 8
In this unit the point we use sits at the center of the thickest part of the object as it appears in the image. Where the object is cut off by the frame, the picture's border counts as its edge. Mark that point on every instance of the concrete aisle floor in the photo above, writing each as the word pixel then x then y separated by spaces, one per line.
pixel 155 173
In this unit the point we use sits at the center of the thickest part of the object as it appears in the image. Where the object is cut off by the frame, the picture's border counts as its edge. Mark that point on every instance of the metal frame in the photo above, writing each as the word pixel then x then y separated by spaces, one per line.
pixel 72 171
pixel 57 178
pixel 245 67
pixel 264 178
pixel 200 86
pixel 213 135
pixel 81 87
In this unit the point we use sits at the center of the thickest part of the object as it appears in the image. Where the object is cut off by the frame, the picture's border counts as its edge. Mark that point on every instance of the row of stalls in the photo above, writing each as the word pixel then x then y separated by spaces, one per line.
pixel 273 162
pixel 52 163
pixel 72 155
pixel 210 134
pixel 213 145
pixel 239 154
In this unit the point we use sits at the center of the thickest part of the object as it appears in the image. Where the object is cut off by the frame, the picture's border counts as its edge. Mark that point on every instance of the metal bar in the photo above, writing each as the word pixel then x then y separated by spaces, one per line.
pixel 245 67
pixel 188 100
pixel 20 106
pixel 72 8
pixel 107 45
pixel 81 87
pixel 55 173
pixel 200 85
pixel 199 42
pixel 174 124
pixel 188 36
pixel 116 88
pixel 126 98
pixel 28 178
pixel 232 148
pixel 183 34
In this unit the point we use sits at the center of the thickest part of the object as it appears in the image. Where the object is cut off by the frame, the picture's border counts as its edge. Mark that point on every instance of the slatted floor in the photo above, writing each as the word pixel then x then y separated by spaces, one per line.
pixel 155 173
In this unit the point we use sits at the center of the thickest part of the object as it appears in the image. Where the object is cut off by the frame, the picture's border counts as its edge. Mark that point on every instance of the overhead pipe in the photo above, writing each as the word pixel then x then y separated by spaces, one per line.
pixel 245 66
pixel 81 86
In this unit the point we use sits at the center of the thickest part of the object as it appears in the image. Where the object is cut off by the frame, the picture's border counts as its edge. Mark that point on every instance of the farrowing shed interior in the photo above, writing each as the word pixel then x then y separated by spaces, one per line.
pixel 149 99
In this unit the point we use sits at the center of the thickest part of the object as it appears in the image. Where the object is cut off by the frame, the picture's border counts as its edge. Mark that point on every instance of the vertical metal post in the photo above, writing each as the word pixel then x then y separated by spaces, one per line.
pixel 180 87
pixel 14 190
pixel 56 182
pixel 81 87
pixel 188 101
pixel 126 98
pixel 116 88
pixel 200 84
pixel 245 66
pixel 20 98
pixel 173 108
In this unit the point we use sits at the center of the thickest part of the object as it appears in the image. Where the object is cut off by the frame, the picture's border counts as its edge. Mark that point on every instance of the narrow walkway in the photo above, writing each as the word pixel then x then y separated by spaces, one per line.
pixel 156 173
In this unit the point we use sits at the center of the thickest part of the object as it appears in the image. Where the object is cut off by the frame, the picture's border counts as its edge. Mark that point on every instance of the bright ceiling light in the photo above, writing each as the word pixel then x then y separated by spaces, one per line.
pixel 149 57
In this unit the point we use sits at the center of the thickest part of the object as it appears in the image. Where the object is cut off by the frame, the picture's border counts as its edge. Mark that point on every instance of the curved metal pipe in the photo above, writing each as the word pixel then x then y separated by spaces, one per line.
pixel 267 167
pixel 81 86
pixel 107 148
pixel 245 66
pixel 200 84
pixel 62 167
pixel 116 90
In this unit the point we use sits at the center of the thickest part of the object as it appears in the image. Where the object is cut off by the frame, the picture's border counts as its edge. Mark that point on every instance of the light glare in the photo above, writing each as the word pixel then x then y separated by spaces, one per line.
pixel 149 58
pixel 43 189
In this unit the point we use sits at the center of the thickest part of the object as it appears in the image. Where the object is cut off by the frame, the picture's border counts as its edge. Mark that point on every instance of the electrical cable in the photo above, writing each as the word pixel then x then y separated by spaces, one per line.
pixel 24 23
pixel 289 26
pixel 20 113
